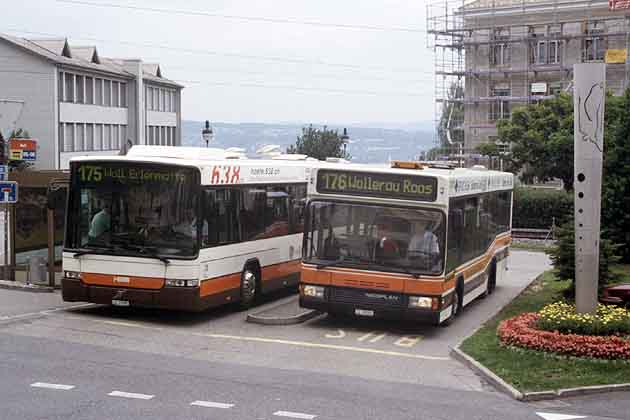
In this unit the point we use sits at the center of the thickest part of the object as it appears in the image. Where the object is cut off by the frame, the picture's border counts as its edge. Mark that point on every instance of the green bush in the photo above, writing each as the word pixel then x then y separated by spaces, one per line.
pixel 537 209
pixel 562 317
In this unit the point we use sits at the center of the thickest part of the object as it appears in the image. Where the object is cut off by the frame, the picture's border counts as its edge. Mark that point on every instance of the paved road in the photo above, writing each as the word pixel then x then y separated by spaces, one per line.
pixel 331 369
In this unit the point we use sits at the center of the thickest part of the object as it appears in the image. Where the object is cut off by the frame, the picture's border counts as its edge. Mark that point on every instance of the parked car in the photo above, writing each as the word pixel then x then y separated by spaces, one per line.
pixel 616 295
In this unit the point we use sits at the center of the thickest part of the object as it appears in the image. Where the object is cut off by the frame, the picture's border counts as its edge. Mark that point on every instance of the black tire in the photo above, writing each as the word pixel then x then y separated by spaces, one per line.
pixel 250 286
pixel 456 306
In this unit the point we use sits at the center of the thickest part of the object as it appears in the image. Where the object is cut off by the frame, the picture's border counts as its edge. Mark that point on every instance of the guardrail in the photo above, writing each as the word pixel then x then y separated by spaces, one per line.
pixel 542 234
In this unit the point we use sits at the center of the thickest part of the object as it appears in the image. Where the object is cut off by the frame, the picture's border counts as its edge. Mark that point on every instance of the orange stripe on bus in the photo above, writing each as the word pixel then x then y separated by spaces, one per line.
pixel 114 280
pixel 276 271
pixel 220 284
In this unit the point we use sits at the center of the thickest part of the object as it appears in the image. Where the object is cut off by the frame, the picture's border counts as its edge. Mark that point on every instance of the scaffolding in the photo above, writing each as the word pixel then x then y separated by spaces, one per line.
pixel 493 55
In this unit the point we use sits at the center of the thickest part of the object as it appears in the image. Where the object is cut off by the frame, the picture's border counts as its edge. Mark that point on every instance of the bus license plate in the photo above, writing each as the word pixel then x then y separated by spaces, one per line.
pixel 363 312
pixel 117 302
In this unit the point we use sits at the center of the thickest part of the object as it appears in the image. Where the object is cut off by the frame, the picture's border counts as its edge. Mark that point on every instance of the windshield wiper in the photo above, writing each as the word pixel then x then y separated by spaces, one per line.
pixel 145 251
pixel 91 251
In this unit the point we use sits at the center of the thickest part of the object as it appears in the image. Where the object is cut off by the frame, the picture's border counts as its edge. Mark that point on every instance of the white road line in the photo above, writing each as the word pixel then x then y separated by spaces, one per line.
pixel 294 415
pixel 61 387
pixel 131 325
pixel 130 395
pixel 43 313
pixel 210 404
pixel 322 346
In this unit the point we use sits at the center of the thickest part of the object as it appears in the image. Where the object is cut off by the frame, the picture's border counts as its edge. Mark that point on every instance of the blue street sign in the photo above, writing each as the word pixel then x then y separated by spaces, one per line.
pixel 4 172
pixel 8 192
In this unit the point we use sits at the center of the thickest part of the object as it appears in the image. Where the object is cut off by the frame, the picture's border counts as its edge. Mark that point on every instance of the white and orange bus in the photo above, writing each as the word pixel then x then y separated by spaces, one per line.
pixel 182 228
pixel 408 241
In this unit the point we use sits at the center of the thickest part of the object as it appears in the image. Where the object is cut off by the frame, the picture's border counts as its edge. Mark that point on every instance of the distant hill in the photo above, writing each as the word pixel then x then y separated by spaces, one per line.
pixel 367 145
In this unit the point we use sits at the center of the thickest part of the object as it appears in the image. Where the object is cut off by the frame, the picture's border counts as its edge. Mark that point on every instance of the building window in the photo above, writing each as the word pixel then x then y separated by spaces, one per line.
pixel 60 86
pixel 594 45
pixel 500 49
pixel 123 95
pixel 69 80
pixel 173 102
pixel 115 137
pixel 123 134
pixel 500 109
pixel 115 94
pixel 89 90
pixel 107 93
pixel 98 91
pixel 98 136
pixel 156 99
pixel 107 137
pixel 89 137
pixel 68 138
pixel 80 137
pixel 80 81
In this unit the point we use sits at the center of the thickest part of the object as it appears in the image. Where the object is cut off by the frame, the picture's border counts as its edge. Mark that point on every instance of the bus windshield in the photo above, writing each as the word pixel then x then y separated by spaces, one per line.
pixel 375 237
pixel 133 209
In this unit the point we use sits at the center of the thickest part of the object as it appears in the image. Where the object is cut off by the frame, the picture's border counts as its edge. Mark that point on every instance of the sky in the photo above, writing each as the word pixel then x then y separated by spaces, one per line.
pixel 273 61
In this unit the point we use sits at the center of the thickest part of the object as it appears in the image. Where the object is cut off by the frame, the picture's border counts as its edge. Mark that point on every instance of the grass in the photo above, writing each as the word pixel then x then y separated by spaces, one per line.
pixel 530 246
pixel 621 274
pixel 529 370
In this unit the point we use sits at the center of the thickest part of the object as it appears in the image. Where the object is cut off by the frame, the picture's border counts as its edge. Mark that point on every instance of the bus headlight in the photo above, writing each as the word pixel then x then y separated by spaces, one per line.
pixel 72 274
pixel 314 291
pixel 420 302
pixel 182 283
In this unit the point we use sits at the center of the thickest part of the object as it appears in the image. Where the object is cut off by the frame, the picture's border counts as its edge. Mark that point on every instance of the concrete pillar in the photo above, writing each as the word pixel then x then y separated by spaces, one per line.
pixel 589 94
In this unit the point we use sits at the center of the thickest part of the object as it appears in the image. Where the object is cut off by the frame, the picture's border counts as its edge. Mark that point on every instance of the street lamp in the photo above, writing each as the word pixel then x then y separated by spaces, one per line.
pixel 207 134
pixel 345 139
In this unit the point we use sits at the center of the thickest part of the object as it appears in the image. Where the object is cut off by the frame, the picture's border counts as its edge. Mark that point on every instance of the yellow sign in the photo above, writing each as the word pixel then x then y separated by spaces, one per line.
pixel 615 56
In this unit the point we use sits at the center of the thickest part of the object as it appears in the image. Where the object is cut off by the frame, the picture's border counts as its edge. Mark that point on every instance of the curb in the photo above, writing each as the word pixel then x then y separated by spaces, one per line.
pixel 274 320
pixel 13 285
pixel 257 318
pixel 508 389
pixel 486 374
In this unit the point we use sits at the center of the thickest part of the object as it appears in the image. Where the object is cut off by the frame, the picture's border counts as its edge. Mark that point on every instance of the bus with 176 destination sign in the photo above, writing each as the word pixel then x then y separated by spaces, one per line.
pixel 183 228
pixel 412 241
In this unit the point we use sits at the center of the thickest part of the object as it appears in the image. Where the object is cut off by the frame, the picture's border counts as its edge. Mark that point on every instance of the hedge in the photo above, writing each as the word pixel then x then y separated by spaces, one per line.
pixel 536 208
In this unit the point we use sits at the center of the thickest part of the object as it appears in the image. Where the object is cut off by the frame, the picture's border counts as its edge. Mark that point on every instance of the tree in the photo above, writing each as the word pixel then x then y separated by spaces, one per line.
pixel 320 144
pixel 563 256
pixel 541 139
pixel 14 165
pixel 452 118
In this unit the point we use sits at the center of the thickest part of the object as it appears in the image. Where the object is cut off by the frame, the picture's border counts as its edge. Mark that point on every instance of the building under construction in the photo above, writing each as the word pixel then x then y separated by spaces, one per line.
pixel 494 55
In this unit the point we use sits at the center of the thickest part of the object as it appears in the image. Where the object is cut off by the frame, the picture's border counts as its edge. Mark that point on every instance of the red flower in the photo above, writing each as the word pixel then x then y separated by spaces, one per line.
pixel 520 331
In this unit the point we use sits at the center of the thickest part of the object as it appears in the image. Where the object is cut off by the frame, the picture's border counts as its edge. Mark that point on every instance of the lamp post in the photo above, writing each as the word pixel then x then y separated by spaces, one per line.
pixel 207 134
pixel 344 139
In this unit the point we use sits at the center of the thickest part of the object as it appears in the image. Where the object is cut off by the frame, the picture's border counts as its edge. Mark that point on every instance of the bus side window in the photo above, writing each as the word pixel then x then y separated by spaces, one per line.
pixel 297 204
pixel 455 235
pixel 220 211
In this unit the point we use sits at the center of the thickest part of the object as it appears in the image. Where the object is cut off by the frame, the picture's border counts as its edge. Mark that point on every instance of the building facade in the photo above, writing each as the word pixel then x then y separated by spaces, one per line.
pixel 78 103
pixel 502 54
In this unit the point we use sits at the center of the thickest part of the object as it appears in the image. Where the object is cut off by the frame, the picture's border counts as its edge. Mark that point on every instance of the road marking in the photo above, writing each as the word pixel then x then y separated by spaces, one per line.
pixel 131 325
pixel 556 416
pixel 373 338
pixel 340 334
pixel 294 415
pixel 322 346
pixel 42 313
pixel 130 395
pixel 210 404
pixel 52 386
pixel 408 341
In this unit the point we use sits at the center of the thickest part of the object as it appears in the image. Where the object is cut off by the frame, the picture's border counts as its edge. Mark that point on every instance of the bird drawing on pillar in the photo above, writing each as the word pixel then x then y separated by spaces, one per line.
pixel 589 93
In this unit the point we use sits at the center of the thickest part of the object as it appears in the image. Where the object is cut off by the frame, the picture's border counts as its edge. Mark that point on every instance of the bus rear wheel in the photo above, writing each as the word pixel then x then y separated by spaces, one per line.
pixel 249 287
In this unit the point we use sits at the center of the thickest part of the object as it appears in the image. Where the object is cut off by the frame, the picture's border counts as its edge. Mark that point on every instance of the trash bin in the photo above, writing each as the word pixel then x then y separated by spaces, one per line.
pixel 37 270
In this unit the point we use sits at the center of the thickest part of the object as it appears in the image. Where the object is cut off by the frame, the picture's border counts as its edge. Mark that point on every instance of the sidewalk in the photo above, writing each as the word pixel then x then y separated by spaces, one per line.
pixel 18 302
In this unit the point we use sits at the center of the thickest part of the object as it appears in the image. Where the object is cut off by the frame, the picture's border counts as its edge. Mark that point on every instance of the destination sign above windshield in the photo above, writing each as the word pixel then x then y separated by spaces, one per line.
pixel 369 184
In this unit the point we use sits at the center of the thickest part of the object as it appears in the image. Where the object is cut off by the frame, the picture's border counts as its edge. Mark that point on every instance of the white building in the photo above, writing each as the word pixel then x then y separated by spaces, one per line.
pixel 79 103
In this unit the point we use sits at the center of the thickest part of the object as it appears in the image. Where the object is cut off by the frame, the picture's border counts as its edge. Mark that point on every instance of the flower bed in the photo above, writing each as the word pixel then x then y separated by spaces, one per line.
pixel 521 331
pixel 562 317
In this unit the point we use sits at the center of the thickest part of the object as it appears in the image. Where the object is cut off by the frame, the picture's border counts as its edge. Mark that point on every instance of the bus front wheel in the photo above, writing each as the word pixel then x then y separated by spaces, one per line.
pixel 249 287
pixel 456 305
